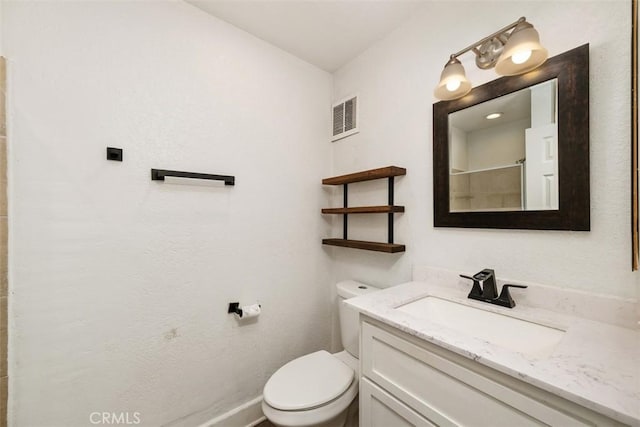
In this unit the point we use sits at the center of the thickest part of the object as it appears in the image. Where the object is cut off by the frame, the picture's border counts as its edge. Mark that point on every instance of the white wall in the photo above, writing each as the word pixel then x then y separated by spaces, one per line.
pixel 395 80
pixel 119 285
pixel 497 146
pixel 459 149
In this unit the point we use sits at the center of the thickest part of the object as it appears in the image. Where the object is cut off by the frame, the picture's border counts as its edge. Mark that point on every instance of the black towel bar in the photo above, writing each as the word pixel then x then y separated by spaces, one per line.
pixel 160 174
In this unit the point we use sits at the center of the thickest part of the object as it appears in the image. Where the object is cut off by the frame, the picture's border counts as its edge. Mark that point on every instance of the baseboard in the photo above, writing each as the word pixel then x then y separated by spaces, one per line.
pixel 258 421
pixel 246 415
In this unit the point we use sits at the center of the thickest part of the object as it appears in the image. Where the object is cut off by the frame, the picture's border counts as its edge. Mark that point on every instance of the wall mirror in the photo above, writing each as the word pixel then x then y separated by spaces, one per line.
pixel 514 153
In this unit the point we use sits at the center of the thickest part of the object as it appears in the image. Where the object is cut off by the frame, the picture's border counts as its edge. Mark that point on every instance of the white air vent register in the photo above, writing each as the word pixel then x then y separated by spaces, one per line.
pixel 345 118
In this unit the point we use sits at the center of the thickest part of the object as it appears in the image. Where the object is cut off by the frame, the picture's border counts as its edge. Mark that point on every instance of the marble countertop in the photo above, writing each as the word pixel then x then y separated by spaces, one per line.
pixel 596 365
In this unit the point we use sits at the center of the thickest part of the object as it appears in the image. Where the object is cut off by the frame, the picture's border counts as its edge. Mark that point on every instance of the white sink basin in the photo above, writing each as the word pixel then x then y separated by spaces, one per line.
pixel 508 332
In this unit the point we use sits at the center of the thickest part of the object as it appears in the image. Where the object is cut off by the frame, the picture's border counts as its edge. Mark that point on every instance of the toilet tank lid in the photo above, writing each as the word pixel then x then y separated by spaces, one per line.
pixel 351 288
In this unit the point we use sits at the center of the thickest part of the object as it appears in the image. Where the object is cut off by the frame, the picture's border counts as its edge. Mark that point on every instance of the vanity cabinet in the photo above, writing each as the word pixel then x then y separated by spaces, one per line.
pixel 407 381
pixel 383 410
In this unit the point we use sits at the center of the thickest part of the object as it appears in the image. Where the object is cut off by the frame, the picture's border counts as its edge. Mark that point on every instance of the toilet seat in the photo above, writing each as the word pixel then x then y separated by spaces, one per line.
pixel 308 382
pixel 331 414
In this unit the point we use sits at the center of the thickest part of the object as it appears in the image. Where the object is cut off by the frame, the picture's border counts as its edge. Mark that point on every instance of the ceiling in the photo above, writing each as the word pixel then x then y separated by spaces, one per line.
pixel 515 106
pixel 325 33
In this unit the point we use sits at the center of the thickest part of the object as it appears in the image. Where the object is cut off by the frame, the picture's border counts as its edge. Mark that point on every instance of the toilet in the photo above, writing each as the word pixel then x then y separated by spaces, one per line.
pixel 317 390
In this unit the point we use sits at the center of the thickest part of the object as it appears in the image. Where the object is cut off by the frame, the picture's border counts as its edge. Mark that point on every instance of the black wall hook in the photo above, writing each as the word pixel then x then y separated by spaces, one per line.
pixel 234 307
pixel 114 154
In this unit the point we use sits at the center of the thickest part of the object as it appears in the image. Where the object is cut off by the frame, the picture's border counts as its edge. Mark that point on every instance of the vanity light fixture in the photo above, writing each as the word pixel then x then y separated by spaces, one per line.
pixel 453 81
pixel 493 116
pixel 512 50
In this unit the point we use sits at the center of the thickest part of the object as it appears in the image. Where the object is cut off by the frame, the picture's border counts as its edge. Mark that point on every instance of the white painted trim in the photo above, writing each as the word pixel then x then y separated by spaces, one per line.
pixel 347 133
pixel 248 414
pixel 345 99
pixel 258 421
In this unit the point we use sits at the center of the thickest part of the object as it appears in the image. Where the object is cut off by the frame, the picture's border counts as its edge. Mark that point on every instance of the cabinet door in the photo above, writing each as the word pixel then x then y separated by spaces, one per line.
pixel 450 390
pixel 380 409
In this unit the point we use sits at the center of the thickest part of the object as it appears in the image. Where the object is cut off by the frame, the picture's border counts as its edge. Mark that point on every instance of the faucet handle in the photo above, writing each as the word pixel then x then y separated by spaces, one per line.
pixel 505 299
pixel 509 285
pixel 476 290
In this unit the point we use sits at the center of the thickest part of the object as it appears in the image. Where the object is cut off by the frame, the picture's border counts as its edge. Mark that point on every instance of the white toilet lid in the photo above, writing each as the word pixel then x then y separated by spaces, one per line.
pixel 308 382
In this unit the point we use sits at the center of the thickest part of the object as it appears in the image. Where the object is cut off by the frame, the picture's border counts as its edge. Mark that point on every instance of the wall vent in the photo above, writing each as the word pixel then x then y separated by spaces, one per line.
pixel 345 118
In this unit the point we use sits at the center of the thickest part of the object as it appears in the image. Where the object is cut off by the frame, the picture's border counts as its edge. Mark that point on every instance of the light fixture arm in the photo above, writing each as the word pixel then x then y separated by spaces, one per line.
pixel 499 33
pixel 512 50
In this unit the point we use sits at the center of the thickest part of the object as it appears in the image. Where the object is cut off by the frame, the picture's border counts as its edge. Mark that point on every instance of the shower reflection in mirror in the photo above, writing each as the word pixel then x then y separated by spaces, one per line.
pixel 503 153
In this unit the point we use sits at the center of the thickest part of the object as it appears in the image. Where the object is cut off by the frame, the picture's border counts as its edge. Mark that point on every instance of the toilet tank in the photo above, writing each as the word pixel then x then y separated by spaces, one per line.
pixel 349 317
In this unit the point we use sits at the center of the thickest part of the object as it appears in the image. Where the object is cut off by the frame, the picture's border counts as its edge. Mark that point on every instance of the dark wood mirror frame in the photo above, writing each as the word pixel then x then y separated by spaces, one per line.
pixel 572 71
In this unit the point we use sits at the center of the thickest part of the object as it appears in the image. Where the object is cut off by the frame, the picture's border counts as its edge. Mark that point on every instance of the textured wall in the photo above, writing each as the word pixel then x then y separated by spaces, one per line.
pixel 395 80
pixel 119 284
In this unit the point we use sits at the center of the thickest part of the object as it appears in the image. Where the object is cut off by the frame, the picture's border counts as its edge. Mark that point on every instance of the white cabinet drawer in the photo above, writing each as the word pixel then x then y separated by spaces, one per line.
pixel 449 389
pixel 379 409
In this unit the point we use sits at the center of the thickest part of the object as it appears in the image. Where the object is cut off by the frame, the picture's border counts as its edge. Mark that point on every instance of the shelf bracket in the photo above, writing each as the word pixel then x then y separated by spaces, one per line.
pixel 345 204
pixel 390 215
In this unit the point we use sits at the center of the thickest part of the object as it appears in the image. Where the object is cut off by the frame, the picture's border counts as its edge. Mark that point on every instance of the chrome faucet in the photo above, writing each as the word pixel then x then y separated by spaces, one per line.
pixel 485 289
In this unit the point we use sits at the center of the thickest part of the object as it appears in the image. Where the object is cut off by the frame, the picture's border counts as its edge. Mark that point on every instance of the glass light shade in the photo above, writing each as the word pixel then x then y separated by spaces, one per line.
pixel 513 60
pixel 453 82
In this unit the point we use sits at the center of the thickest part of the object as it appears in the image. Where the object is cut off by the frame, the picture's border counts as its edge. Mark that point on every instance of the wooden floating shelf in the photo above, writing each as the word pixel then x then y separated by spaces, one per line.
pixel 364 210
pixel 390 209
pixel 370 246
pixel 369 175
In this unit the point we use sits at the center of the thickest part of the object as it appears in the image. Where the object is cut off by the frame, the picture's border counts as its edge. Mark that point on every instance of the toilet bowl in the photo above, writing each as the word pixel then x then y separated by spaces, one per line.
pixel 317 389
